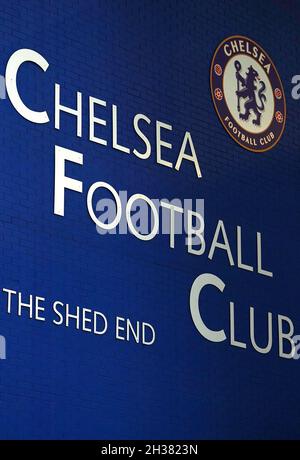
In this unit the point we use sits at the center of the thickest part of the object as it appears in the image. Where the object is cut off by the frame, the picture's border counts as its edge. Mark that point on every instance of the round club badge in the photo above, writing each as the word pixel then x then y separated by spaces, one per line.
pixel 248 94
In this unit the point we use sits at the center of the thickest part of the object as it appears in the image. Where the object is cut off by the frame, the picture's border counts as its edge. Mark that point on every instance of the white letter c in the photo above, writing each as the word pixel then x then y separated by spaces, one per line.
pixel 198 284
pixel 14 62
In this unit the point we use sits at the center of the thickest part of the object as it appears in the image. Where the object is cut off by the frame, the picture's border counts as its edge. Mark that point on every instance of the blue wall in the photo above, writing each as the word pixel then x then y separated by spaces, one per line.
pixel 151 57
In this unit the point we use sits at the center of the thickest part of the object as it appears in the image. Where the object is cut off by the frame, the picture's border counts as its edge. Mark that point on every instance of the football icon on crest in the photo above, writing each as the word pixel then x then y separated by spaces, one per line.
pixel 248 94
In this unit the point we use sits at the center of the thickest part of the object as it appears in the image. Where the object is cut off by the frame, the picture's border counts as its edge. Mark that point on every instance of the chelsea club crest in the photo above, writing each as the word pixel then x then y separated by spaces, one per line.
pixel 248 94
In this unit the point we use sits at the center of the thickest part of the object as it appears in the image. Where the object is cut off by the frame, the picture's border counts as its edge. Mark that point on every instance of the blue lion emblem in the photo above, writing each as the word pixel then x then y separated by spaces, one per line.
pixel 248 91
